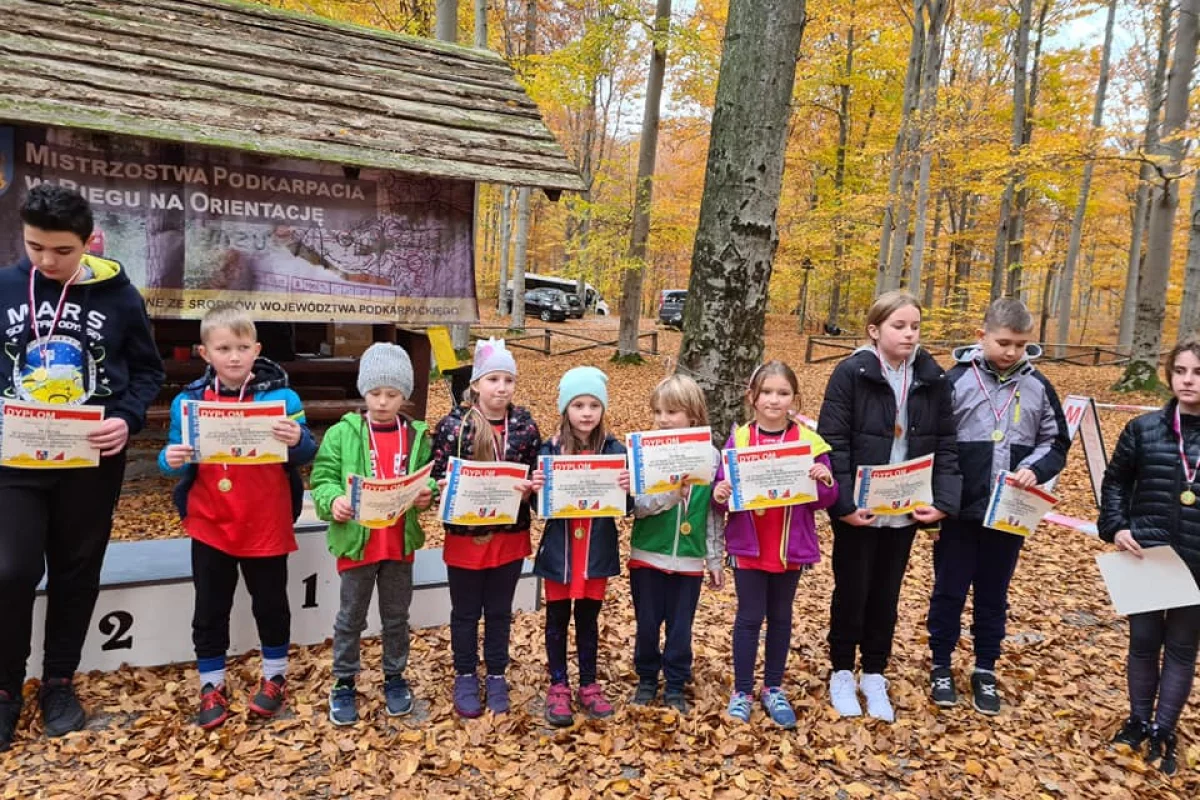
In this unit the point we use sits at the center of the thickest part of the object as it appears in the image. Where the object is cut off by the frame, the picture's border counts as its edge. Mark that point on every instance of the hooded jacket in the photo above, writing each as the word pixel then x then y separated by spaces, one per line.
pixel 101 351
pixel 1033 424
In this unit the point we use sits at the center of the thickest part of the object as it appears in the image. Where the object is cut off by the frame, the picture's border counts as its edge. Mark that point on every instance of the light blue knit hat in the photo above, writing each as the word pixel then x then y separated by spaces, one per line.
pixel 581 381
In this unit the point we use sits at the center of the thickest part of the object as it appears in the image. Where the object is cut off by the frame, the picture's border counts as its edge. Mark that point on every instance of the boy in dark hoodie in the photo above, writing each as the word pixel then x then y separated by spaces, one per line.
pixel 86 340
pixel 1008 419
pixel 239 515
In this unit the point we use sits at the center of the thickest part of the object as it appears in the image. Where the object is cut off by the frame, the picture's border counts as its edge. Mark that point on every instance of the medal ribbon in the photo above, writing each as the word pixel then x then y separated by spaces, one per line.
pixel 999 415
pixel 376 463
pixel 43 341
pixel 903 389
pixel 1189 470
pixel 241 396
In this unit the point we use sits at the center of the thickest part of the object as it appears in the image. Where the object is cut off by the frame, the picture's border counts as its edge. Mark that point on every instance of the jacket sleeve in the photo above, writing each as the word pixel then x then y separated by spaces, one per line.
pixel 327 481
pixel 826 495
pixel 947 479
pixel 304 450
pixel 647 505
pixel 174 436
pixel 720 508
pixel 1049 455
pixel 145 368
pixel 1116 491
pixel 835 425
pixel 442 447
pixel 714 540
pixel 423 456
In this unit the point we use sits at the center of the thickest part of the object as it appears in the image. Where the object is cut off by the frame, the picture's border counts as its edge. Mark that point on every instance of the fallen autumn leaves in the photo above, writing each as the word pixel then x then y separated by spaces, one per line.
pixel 1062 676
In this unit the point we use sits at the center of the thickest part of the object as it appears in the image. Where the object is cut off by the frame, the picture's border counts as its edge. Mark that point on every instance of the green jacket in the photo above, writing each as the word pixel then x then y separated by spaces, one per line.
pixel 659 539
pixel 345 451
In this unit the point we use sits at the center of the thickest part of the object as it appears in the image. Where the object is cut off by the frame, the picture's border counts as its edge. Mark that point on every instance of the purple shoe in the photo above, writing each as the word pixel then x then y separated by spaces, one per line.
pixel 466 696
pixel 497 694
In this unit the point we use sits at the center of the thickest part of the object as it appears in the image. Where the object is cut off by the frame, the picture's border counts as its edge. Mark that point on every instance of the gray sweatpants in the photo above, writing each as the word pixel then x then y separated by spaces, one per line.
pixel 395 582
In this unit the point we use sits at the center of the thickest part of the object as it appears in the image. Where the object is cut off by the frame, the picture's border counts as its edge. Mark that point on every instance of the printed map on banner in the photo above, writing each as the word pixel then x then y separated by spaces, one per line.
pixel 289 240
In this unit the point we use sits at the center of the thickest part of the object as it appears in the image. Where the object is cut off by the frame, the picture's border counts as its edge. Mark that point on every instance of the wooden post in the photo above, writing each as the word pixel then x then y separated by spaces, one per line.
pixel 546 345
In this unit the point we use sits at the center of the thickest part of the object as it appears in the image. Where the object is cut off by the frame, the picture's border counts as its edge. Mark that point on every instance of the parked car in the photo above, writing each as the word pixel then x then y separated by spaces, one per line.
pixel 548 305
pixel 574 306
pixel 670 310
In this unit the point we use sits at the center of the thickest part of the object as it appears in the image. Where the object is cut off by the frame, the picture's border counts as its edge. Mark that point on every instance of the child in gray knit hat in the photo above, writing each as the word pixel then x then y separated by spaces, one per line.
pixel 381 443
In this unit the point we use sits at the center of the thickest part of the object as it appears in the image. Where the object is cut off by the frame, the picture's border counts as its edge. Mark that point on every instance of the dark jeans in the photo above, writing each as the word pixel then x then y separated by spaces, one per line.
pixel 1168 637
pixel 54 523
pixel 487 593
pixel 215 575
pixel 968 554
pixel 760 595
pixel 868 570
pixel 664 598
pixel 587 638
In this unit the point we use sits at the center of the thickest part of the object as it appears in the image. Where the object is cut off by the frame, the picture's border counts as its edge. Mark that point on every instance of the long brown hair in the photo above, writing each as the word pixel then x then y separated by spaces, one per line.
pixel 770 369
pixel 483 441
pixel 571 445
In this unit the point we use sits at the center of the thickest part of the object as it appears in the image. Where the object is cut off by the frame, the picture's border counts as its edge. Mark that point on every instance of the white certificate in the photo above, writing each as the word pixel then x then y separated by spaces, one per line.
pixel 770 475
pixel 582 486
pixel 1015 510
pixel 46 436
pixel 895 489
pixel 1156 581
pixel 233 433
pixel 658 460
pixel 482 492
pixel 380 502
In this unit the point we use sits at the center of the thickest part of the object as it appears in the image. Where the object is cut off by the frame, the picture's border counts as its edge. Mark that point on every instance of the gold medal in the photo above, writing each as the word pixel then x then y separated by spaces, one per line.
pixel 760 511
pixel 1188 498
pixel 997 435
pixel 225 484
pixel 685 528
pixel 579 533
pixel 899 431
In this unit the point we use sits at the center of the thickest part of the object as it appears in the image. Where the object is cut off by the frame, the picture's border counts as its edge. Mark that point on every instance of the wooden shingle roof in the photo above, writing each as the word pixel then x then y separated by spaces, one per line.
pixel 247 77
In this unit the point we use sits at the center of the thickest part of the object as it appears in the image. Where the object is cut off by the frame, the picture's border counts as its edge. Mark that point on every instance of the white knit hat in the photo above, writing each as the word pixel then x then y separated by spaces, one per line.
pixel 492 356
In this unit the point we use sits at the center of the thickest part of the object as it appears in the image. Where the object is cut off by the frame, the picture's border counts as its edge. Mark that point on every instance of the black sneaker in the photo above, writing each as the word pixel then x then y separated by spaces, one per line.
pixel 397 696
pixel 987 698
pixel 941 687
pixel 1162 750
pixel 270 697
pixel 644 694
pixel 61 712
pixel 1133 734
pixel 673 698
pixel 214 706
pixel 10 714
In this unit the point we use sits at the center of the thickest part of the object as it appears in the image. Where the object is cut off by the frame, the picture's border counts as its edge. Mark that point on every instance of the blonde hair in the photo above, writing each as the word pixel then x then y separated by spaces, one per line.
pixel 889 303
pixel 483 441
pixel 571 445
pixel 226 315
pixel 681 392
pixel 774 368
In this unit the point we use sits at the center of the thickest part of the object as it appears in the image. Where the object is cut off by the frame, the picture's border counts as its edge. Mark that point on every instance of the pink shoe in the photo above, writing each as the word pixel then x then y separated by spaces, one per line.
pixel 558 705
pixel 592 698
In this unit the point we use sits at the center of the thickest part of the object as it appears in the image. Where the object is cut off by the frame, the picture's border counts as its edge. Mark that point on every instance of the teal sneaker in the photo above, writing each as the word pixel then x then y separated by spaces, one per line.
pixel 739 706
pixel 778 707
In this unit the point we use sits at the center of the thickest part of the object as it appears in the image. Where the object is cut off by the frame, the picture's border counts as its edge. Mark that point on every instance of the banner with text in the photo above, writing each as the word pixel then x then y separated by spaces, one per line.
pixel 290 240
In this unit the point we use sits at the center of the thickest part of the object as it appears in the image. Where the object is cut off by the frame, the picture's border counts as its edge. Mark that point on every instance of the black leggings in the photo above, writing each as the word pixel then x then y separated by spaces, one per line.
pixel 215 575
pixel 587 638
pixel 1169 638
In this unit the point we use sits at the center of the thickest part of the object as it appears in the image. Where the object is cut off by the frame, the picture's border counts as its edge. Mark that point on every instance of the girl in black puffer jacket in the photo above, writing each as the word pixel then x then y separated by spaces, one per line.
pixel 1150 500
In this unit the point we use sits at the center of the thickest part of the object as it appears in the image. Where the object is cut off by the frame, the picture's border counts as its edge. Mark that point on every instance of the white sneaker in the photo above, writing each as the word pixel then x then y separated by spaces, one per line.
pixel 874 688
pixel 843 693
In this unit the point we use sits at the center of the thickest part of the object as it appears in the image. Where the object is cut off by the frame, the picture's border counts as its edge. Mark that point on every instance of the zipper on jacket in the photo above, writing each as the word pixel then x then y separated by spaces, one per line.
pixel 787 535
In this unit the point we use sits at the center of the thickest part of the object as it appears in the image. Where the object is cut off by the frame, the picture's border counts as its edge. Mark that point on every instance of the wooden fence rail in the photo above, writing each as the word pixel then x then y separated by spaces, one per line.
pixel 1080 355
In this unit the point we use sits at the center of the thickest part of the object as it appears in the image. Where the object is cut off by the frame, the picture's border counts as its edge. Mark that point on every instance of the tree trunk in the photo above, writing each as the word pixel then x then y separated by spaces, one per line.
pixel 520 253
pixel 631 297
pixel 839 183
pixel 1085 187
pixel 502 307
pixel 931 278
pixel 446 30
pixel 447 21
pixel 1141 212
pixel 737 234
pixel 1142 372
pixel 481 30
pixel 1189 309
pixel 1004 231
pixel 1016 231
pixel 887 278
pixel 931 69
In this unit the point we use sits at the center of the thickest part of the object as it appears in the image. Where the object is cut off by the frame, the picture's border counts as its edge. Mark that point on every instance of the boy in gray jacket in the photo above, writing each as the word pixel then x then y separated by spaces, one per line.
pixel 1008 419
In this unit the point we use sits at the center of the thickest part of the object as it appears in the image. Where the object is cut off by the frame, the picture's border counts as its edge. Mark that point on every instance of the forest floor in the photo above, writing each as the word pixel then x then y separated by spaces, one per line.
pixel 1062 676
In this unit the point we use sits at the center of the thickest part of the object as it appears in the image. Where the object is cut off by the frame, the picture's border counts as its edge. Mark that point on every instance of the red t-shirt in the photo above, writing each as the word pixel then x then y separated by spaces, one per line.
pixel 389 459
pixel 769 522
pixel 489 550
pixel 580 587
pixel 251 520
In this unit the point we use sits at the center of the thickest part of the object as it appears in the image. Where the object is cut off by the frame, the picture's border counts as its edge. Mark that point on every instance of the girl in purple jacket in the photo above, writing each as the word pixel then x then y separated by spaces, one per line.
pixel 770 548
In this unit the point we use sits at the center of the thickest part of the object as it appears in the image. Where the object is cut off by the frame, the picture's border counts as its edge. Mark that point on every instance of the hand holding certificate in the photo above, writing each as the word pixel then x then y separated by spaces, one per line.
pixel 1014 509
pixel 770 475
pixel 233 433
pixel 895 489
pixel 482 492
pixel 582 486
pixel 380 502
pixel 46 436
pixel 661 461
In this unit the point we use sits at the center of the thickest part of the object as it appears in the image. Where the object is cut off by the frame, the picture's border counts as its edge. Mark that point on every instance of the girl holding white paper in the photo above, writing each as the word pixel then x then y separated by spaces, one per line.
pixel 886 403
pixel 1149 499
pixel 770 548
